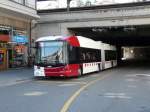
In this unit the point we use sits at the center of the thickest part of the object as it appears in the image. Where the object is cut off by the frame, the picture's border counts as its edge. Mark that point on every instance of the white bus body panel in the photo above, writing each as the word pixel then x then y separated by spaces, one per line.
pixel 111 63
pixel 88 43
pixel 114 63
pixel 91 67
pixel 39 71
pixel 108 64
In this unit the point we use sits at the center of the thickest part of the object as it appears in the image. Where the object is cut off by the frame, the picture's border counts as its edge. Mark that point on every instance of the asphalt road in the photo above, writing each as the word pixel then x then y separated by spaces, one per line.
pixel 122 89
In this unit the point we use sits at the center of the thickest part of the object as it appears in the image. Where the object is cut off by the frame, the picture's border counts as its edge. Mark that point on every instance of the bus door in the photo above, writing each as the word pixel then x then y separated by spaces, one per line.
pixel 3 61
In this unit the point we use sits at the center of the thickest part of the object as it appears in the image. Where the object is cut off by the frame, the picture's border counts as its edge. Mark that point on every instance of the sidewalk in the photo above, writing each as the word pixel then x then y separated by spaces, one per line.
pixel 15 76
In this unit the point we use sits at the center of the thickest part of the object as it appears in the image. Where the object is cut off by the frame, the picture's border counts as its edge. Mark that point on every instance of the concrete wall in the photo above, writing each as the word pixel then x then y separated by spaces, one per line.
pixel 96 14
pixel 48 29
pixel 10 21
pixel 13 8
pixel 135 15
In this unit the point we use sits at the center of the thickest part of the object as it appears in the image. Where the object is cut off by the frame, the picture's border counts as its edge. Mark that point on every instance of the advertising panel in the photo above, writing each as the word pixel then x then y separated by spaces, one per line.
pixel 19 36
pixel 20 39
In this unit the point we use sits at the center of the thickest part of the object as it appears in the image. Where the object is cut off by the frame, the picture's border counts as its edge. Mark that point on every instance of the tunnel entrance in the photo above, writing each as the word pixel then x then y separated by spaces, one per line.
pixel 133 42
pixel 121 35
pixel 135 56
pixel 136 53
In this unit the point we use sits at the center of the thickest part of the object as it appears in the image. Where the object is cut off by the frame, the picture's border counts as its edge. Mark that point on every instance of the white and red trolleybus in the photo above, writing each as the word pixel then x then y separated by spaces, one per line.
pixel 71 56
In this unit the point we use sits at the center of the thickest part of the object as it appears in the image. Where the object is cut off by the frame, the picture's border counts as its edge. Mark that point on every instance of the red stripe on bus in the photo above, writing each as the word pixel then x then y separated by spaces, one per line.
pixel 68 70
pixel 73 40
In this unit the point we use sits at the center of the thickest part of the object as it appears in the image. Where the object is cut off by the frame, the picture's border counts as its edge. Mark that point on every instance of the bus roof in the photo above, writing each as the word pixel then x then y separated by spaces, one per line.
pixel 48 38
pixel 76 41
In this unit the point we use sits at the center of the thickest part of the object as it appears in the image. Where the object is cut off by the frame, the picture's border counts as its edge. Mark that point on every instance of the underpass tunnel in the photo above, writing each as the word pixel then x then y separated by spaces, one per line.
pixel 132 42
pixel 141 53
pixel 136 55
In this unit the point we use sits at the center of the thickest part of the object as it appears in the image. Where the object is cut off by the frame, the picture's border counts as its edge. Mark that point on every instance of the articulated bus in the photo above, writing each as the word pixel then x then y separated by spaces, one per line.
pixel 72 56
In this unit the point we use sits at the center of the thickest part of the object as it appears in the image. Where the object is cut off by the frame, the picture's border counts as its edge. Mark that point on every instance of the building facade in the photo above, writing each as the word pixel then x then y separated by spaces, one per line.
pixel 16 24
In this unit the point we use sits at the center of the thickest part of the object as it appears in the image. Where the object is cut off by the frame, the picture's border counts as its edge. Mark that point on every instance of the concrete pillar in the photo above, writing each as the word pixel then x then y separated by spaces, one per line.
pixel 65 31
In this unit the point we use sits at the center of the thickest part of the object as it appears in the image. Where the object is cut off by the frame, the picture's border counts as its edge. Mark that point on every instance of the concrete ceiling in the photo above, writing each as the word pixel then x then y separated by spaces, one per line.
pixel 124 36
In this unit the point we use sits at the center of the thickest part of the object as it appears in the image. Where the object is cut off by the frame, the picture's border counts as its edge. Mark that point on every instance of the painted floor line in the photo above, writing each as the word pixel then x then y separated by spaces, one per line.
pixel 14 83
pixel 61 82
pixel 67 85
pixel 77 93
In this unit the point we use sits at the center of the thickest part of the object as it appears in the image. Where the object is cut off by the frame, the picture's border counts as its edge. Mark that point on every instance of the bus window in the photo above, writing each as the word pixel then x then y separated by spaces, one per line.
pixel 82 56
pixel 110 55
pixel 73 54
pixel 93 56
pixel 88 57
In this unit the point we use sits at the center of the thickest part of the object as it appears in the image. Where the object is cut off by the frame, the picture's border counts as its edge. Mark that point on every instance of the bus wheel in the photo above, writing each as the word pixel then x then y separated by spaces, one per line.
pixel 79 71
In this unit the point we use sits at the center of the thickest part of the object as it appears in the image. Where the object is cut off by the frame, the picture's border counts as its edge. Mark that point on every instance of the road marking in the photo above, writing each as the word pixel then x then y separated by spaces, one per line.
pixel 77 93
pixel 135 75
pixel 62 82
pixel 14 82
pixel 66 85
pixel 35 93
pixel 117 95
pixel 146 75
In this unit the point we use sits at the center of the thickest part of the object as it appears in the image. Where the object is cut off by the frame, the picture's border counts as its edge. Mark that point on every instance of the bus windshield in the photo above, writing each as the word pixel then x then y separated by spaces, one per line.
pixel 50 53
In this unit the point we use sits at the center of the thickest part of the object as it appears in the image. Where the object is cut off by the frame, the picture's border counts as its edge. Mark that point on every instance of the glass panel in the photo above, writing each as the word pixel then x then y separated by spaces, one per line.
pixel 50 53
pixel 73 54
pixel 19 1
pixel 30 3
pixel 55 4
pixel 90 55
pixel 110 55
